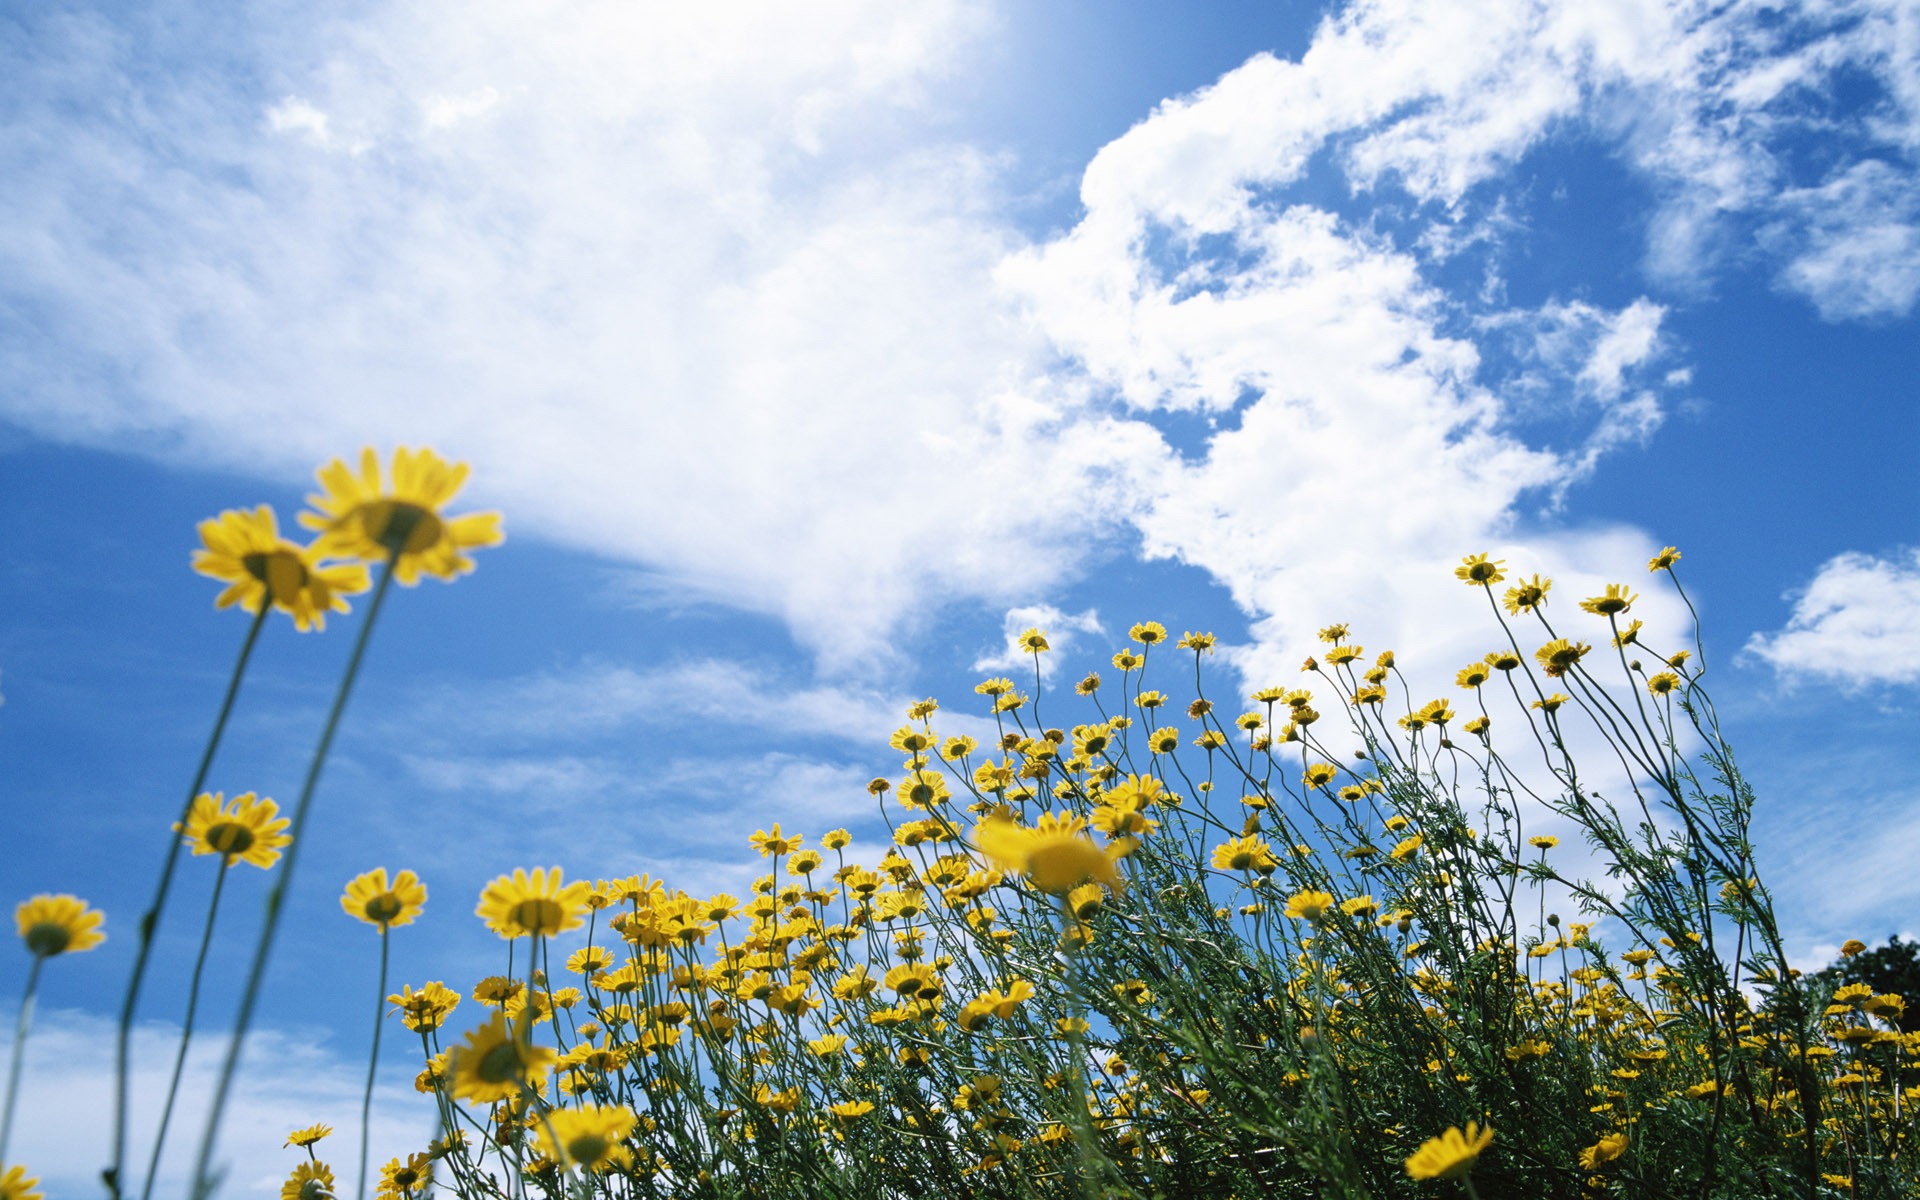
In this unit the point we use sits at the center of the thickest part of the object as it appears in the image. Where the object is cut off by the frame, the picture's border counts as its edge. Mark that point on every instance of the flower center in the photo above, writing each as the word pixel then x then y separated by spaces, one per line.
pixel 48 938
pixel 383 908
pixel 538 916
pixel 402 526
pixel 281 570
pixel 501 1064
pixel 229 837
pixel 587 1149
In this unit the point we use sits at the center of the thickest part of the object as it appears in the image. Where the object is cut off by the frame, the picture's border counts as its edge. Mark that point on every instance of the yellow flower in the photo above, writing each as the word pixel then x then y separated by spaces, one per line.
pixel 535 904
pixel 1664 560
pixel 1034 641
pixel 308 1136
pixel 1055 855
pixel 850 1109
pixel 1479 569
pixel 588 1137
pixel 775 842
pixel 399 1178
pixel 248 829
pixel 309 1181
pixel 51 925
pixel 1527 595
pixel 1559 654
pixel 1245 853
pixel 1450 1155
pixel 1309 905
pixel 16 1184
pixel 372 899
pixel 1603 1151
pixel 1148 632
pixel 496 1060
pixel 1663 683
pixel 245 550
pixel 425 1010
pixel 359 517
pixel 1616 599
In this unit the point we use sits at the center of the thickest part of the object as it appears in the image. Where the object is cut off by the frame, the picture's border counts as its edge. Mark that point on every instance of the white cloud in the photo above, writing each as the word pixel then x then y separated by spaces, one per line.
pixel 1856 623
pixel 702 289
pixel 288 1080
pixel 1060 628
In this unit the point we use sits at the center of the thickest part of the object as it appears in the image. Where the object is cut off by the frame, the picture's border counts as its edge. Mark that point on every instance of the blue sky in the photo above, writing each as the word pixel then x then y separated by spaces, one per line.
pixel 810 355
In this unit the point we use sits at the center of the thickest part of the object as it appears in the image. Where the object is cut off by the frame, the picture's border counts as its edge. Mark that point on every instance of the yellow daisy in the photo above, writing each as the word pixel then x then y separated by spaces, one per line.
pixel 51 925
pixel 245 550
pixel 1055 855
pixel 16 1184
pixel 308 1136
pixel 533 904
pixel 589 1136
pixel 309 1181
pixel 496 1060
pixel 1450 1155
pixel 246 829
pixel 371 898
pixel 359 517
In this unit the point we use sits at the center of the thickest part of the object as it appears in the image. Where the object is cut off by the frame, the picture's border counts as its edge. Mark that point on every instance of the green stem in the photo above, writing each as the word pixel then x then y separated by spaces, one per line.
pixel 366 1100
pixel 151 920
pixel 19 1055
pixel 186 1029
pixel 202 1185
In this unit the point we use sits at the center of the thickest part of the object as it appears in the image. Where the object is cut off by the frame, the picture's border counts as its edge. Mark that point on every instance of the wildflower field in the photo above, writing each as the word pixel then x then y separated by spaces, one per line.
pixel 1166 942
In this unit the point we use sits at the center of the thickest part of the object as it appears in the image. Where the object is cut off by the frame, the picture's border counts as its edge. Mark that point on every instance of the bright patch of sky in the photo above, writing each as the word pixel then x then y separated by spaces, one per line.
pixel 813 354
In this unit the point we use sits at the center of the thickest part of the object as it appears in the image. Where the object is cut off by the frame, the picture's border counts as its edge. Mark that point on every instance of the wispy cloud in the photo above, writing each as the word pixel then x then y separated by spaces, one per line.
pixel 1062 630
pixel 1856 623
pixel 289 1079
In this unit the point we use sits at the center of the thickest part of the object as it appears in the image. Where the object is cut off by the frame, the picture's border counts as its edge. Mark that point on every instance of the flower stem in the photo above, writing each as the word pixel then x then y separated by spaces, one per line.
pixel 186 1029
pixel 151 920
pixel 19 1055
pixel 373 1060
pixel 202 1185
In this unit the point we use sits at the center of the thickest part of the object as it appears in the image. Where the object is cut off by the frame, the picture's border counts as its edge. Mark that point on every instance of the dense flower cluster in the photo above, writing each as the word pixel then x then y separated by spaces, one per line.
pixel 1296 946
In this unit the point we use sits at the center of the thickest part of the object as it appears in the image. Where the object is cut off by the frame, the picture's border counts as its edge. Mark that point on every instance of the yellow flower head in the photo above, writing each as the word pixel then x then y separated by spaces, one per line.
pixel 1664 560
pixel 535 904
pixel 358 516
pixel 1148 632
pixel 309 1181
pixel 1478 569
pixel 496 1060
pixel 1603 1151
pixel 1033 640
pixel 51 925
pixel 308 1136
pixel 16 1184
pixel 427 1009
pixel 245 550
pixel 1309 905
pixel 588 1137
pixel 776 842
pixel 1616 599
pixel 1526 595
pixel 247 829
pixel 371 898
pixel 406 1178
pixel 1450 1155
pixel 1055 855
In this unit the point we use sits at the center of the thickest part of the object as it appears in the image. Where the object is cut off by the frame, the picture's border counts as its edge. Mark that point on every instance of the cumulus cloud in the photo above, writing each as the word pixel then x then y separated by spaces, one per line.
pixel 1856 623
pixel 706 291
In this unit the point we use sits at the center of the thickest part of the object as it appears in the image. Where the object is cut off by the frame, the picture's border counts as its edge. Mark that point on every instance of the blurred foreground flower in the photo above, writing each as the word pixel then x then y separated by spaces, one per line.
pixel 1450 1155
pixel 360 517
pixel 245 550
pixel 51 925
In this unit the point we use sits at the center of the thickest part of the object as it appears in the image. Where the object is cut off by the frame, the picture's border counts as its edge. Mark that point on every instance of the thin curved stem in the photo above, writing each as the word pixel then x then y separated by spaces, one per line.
pixel 150 921
pixel 19 1054
pixel 186 1029
pixel 276 899
pixel 373 1061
